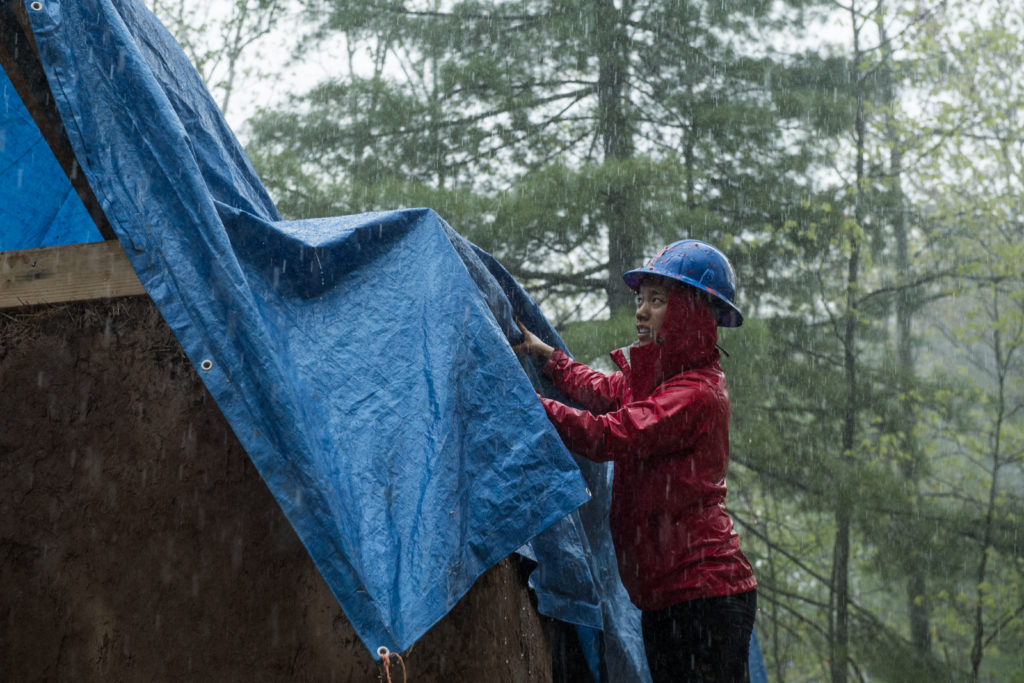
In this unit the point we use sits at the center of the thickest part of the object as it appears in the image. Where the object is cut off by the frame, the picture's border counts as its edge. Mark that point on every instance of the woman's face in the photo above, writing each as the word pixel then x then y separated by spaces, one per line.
pixel 651 302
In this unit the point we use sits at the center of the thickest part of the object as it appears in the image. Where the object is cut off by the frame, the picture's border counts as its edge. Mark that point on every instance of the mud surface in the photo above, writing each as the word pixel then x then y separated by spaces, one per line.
pixel 137 541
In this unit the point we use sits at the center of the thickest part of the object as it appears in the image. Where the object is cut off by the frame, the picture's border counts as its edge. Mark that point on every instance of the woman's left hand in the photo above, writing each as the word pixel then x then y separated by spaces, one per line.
pixel 532 344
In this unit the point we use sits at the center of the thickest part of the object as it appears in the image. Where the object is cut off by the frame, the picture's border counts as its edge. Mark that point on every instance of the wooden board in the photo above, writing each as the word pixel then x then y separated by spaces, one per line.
pixel 78 272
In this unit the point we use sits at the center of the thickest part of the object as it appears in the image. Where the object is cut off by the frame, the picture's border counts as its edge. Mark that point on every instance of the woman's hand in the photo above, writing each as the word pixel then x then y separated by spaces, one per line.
pixel 532 344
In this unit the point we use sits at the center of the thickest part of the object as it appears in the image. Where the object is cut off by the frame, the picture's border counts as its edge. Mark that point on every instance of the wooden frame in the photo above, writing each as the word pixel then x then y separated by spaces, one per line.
pixel 77 272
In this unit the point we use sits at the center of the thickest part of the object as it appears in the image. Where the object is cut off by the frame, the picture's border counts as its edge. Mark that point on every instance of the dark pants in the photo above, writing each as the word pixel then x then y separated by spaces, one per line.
pixel 701 640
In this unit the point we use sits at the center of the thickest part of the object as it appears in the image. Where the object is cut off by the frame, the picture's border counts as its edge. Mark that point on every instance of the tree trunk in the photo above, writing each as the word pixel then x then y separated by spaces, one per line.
pixel 1000 361
pixel 918 611
pixel 839 655
pixel 624 240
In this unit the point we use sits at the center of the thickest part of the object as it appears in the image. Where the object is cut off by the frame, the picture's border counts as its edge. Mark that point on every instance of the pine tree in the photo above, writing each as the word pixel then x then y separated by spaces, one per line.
pixel 571 138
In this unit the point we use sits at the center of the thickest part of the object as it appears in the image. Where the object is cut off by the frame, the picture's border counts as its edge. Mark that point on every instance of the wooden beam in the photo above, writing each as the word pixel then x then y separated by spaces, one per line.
pixel 19 59
pixel 77 272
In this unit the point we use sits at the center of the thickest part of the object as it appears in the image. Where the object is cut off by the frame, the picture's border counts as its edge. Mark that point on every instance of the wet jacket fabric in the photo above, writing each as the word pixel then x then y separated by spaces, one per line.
pixel 663 419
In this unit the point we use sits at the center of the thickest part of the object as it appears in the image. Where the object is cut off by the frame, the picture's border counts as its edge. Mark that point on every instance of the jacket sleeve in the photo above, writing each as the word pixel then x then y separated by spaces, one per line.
pixel 594 390
pixel 666 422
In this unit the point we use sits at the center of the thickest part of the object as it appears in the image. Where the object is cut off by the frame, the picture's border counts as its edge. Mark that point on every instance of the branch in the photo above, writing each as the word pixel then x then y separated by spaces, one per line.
pixel 453 123
pixel 556 278
pixel 400 9
pixel 913 284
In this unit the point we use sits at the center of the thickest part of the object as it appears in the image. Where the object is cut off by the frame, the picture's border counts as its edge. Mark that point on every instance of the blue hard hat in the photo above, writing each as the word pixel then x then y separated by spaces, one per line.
pixel 699 265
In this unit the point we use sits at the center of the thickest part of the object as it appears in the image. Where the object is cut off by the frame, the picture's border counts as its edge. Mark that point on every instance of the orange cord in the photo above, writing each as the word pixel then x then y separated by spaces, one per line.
pixel 385 658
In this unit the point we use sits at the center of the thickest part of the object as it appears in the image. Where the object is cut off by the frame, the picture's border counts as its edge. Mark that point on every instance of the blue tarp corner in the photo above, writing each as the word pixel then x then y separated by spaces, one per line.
pixel 38 206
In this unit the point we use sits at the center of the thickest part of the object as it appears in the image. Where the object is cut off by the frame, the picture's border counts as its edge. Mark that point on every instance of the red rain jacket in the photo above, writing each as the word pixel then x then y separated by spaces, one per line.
pixel 664 420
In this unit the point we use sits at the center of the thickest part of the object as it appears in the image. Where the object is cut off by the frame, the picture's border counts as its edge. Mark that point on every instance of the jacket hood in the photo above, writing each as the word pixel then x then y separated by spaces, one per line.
pixel 686 340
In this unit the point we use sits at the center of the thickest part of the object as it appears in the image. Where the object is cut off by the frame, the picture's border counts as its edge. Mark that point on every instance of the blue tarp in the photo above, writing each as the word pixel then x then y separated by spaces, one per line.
pixel 38 206
pixel 362 361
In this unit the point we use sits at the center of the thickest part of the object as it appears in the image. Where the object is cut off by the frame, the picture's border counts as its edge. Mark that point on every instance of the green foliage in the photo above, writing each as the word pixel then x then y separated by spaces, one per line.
pixel 591 340
pixel 632 125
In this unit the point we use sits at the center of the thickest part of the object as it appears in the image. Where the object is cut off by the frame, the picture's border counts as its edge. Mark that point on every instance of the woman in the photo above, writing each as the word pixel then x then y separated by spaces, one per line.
pixel 663 419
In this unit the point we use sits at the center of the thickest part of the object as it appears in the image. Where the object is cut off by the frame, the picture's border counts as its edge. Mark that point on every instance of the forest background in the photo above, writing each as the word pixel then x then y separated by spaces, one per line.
pixel 861 164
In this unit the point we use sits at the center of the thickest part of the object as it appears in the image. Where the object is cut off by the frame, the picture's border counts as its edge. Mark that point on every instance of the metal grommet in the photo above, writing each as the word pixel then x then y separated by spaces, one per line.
pixel 206 364
pixel 383 652
pixel 36 6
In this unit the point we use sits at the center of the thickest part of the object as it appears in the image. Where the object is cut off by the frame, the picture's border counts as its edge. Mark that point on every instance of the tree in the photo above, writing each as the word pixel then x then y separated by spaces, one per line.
pixel 217 36
pixel 974 96
pixel 594 131
pixel 858 276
